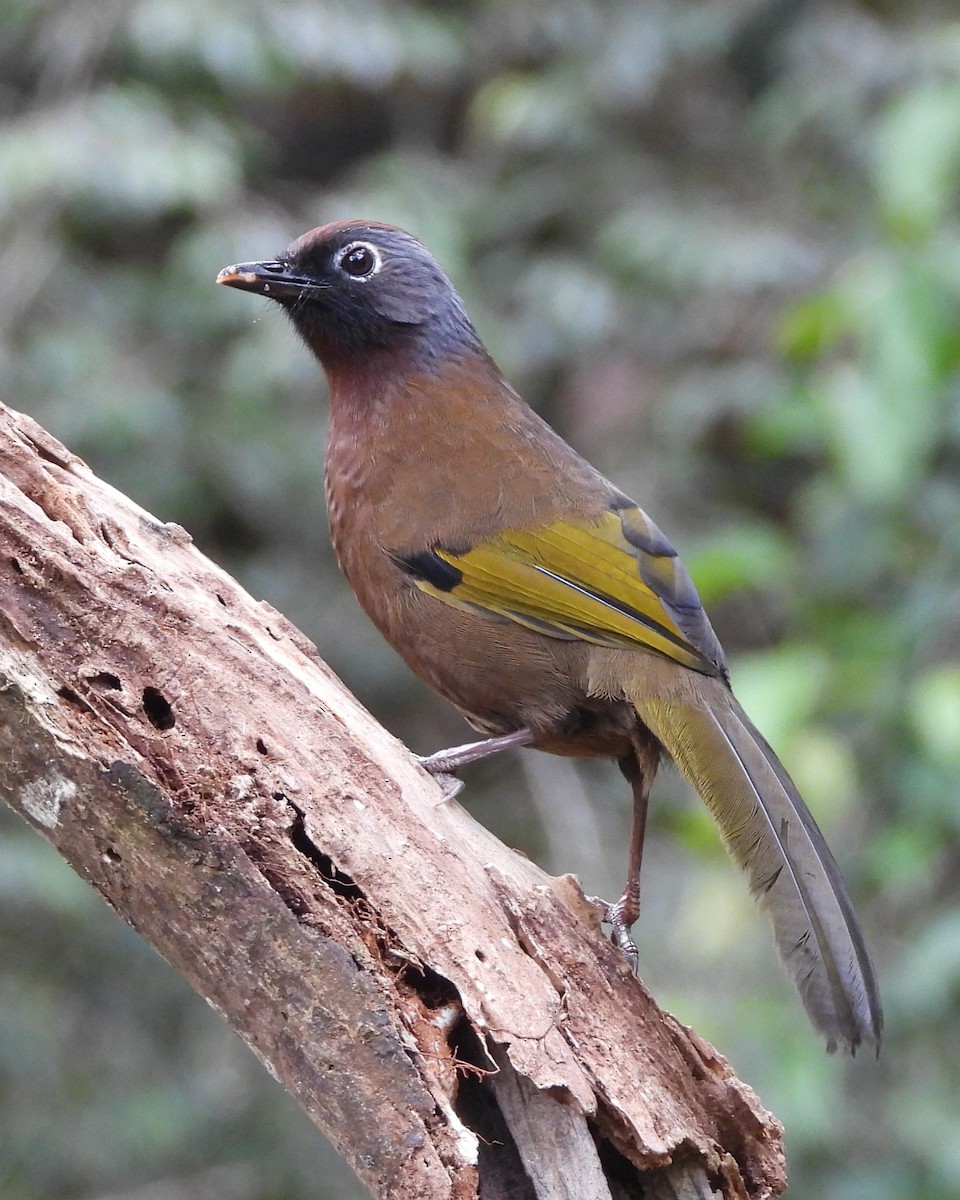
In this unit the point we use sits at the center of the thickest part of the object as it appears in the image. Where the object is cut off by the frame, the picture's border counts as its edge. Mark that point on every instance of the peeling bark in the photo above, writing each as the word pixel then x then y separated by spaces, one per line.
pixel 447 1013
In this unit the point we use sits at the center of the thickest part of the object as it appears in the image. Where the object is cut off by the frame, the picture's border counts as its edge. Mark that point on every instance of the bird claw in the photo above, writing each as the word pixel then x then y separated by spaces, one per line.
pixel 450 784
pixel 620 917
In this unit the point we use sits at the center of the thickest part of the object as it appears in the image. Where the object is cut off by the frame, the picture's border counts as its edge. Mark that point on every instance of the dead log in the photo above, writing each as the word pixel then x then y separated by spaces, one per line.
pixel 446 1013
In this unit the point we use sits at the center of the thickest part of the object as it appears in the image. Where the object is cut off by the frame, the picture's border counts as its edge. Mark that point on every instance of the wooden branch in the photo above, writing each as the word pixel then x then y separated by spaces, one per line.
pixel 448 1014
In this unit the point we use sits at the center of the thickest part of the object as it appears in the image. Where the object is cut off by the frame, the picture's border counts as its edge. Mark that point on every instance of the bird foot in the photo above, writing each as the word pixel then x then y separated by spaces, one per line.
pixel 445 763
pixel 435 766
pixel 620 916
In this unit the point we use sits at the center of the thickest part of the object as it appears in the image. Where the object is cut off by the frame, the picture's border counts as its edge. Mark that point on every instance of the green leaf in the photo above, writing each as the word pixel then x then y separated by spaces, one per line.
pixel 917 157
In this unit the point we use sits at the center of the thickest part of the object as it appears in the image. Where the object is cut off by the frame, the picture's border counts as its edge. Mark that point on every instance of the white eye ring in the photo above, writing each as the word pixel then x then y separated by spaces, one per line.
pixel 368 259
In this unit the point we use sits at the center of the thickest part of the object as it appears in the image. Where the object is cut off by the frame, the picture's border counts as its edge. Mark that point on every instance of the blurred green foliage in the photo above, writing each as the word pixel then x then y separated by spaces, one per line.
pixel 718 245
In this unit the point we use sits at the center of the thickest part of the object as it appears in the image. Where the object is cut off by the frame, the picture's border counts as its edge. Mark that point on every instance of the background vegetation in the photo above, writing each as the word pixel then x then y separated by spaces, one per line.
pixel 718 244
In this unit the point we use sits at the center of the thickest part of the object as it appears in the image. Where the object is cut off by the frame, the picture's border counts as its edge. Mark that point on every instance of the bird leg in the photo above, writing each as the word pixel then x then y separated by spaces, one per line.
pixel 445 763
pixel 639 767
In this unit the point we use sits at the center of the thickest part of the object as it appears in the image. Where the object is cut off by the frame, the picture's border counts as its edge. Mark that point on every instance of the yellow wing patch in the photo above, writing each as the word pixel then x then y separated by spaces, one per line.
pixel 613 582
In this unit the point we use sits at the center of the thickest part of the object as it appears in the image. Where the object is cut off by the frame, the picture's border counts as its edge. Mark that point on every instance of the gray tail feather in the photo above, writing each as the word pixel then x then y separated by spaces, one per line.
pixel 771 834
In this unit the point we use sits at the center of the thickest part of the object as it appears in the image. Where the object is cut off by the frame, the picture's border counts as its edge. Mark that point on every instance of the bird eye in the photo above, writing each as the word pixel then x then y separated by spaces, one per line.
pixel 359 260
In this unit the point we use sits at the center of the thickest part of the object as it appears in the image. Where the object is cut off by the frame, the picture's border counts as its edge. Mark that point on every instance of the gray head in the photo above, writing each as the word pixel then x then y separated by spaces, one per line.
pixel 353 287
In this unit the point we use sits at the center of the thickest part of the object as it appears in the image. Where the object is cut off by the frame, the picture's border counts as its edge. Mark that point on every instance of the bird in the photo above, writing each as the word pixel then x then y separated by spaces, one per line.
pixel 535 596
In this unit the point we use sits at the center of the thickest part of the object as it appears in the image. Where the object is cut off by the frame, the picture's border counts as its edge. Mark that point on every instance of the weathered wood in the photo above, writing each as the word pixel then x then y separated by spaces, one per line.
pixel 189 754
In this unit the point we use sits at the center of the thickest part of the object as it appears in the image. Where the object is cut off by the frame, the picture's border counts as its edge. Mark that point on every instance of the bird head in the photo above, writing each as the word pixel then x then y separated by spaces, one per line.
pixel 353 287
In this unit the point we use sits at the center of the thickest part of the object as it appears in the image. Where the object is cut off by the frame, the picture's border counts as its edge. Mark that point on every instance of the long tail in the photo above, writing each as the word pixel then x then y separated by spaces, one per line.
pixel 771 834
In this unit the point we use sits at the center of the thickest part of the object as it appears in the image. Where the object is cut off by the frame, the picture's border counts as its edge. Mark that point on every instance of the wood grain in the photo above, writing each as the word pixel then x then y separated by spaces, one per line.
pixel 448 1014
